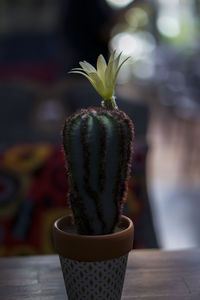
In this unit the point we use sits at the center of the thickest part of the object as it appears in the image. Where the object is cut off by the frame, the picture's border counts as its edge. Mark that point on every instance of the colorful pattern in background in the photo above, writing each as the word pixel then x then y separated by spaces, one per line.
pixel 34 193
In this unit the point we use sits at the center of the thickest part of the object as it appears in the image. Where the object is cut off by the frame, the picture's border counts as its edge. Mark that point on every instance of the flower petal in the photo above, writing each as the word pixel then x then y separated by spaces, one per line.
pixel 116 63
pixel 88 68
pixel 98 84
pixel 109 76
pixel 101 67
pixel 120 67
pixel 78 69
pixel 112 57
pixel 104 77
pixel 87 76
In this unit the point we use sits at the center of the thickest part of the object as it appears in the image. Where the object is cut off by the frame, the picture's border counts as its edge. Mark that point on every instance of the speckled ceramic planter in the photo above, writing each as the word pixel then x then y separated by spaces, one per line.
pixel 93 266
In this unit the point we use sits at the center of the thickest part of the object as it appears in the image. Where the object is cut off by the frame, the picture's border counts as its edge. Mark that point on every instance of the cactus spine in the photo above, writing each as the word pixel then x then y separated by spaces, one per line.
pixel 98 148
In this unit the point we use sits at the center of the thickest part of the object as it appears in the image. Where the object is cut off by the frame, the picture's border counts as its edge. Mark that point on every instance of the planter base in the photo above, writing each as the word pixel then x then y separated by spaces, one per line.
pixel 98 280
pixel 93 265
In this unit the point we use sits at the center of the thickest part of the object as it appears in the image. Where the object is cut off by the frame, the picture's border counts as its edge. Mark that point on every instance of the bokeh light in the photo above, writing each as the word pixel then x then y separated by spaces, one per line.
pixel 140 47
pixel 168 25
pixel 119 3
pixel 137 45
pixel 136 17
pixel 144 69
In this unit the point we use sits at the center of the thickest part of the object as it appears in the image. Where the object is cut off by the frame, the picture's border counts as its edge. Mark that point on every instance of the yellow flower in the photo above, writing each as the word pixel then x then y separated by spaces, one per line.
pixel 104 77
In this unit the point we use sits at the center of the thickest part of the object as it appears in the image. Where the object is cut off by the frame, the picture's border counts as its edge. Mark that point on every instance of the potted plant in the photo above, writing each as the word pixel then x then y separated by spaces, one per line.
pixel 94 243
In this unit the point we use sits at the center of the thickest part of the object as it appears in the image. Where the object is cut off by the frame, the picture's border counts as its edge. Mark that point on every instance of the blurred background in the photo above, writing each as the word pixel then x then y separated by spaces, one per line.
pixel 40 41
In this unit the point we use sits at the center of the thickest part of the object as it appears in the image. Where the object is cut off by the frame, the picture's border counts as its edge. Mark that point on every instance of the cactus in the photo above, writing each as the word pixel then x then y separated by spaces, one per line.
pixel 98 148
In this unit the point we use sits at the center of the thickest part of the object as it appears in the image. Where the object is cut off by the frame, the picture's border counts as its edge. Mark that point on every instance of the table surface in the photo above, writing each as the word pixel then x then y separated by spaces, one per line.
pixel 150 275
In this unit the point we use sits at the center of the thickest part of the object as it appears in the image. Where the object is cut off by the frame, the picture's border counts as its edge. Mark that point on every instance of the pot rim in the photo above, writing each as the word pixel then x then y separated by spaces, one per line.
pixel 92 247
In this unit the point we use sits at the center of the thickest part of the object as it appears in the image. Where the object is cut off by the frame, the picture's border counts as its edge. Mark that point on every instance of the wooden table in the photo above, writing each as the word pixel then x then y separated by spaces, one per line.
pixel 151 275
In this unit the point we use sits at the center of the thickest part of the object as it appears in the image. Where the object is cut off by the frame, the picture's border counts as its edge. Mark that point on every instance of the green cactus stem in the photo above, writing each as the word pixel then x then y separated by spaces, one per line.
pixel 98 148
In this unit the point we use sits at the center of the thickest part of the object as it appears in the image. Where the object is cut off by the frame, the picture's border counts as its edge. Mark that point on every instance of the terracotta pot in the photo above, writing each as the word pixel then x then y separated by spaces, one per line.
pixel 93 266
